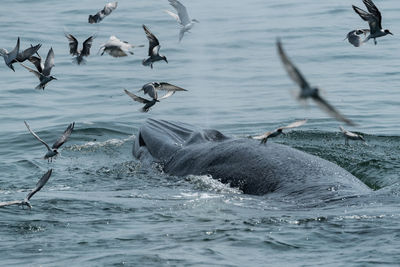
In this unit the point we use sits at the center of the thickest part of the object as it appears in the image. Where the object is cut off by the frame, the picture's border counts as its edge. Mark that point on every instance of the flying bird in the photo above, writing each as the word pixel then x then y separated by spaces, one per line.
pixel 52 151
pixel 182 17
pixel 374 19
pixel 354 37
pixel 350 135
pixel 74 51
pixel 264 137
pixel 10 57
pixel 154 48
pixel 37 188
pixel 43 71
pixel 152 87
pixel 148 103
pixel 117 48
pixel 99 16
pixel 306 90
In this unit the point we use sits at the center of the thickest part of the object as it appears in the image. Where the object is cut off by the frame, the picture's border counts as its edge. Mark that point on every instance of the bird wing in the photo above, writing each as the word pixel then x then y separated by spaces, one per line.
pixel 374 11
pixel 137 98
pixel 15 202
pixel 263 136
pixel 331 110
pixel 64 137
pixel 36 136
pixel 294 124
pixel 175 16
pixel 14 53
pixel 49 63
pixel 153 41
pixel 293 72
pixel 39 184
pixel 169 87
pixel 37 61
pixel 373 21
pixel 168 94
pixel 37 74
pixel 73 44
pixel 27 53
pixel 342 129
pixel 109 7
pixel 87 44
pixel 182 12
pixel 116 51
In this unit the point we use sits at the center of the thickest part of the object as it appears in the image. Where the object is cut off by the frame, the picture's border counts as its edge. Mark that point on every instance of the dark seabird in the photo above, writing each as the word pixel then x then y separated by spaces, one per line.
pixel 148 103
pixel 264 137
pixel 37 188
pixel 43 71
pixel 73 48
pixel 108 8
pixel 350 135
pixel 154 48
pixel 354 37
pixel 374 19
pixel 52 152
pixel 306 90
pixel 151 88
pixel 117 48
pixel 10 57
pixel 182 17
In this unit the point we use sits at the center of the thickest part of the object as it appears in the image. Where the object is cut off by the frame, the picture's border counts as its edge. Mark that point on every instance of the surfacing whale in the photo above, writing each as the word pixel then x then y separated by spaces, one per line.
pixel 183 149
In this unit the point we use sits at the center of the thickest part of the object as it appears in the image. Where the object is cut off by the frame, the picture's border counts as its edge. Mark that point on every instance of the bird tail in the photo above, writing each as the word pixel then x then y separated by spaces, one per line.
pixel 40 86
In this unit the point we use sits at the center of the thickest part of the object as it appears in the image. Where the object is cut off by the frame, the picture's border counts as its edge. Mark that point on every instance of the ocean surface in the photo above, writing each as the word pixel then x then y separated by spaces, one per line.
pixel 102 207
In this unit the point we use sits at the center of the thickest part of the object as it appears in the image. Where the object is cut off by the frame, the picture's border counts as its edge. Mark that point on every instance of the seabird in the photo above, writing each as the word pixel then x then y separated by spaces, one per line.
pixel 117 48
pixel 52 152
pixel 148 103
pixel 108 8
pixel 374 19
pixel 43 71
pixel 152 87
pixel 10 57
pixel 182 17
pixel 354 36
pixel 264 137
pixel 154 48
pixel 37 188
pixel 73 48
pixel 350 135
pixel 306 90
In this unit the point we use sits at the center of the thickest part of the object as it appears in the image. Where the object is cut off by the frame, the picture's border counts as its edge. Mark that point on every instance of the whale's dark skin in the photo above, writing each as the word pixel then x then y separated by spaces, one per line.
pixel 183 149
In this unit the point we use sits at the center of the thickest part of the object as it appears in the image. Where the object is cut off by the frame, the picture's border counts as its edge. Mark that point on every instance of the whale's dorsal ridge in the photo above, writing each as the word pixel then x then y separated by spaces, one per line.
pixel 206 135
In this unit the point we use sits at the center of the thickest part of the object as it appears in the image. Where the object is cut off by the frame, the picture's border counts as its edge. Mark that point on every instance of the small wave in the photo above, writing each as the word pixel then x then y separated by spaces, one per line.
pixel 94 145
pixel 206 182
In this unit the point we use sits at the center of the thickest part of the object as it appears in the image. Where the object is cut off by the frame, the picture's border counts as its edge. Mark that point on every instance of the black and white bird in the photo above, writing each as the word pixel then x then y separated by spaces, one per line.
pixel 43 71
pixel 79 53
pixel 374 19
pixel 182 17
pixel 53 150
pixel 117 48
pixel 152 88
pixel 148 103
pixel 99 16
pixel 350 135
pixel 354 37
pixel 154 48
pixel 37 188
pixel 10 57
pixel 307 91
pixel 264 137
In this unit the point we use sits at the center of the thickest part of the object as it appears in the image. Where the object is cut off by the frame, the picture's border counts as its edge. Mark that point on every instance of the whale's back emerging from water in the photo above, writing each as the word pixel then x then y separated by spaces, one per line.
pixel 183 149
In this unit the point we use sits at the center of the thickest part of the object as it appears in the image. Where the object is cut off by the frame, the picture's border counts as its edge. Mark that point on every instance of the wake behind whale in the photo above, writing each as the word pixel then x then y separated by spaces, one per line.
pixel 183 149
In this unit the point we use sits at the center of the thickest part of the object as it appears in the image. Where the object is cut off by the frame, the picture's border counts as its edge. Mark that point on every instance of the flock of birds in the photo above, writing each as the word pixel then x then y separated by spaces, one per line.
pixel 118 48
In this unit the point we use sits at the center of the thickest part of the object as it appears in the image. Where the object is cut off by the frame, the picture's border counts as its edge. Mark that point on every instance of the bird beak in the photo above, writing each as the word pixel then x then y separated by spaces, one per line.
pixel 166 60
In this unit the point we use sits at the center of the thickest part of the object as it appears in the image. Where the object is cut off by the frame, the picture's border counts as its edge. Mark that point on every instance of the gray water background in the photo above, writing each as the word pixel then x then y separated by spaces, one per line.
pixel 103 207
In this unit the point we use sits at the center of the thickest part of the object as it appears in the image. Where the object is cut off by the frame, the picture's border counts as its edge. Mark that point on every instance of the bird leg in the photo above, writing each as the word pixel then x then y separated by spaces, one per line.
pixel 375 42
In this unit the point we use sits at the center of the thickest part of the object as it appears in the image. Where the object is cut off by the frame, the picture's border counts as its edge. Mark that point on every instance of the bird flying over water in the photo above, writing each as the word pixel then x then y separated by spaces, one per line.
pixel 350 135
pixel 52 151
pixel 10 57
pixel 37 188
pixel 79 53
pixel 306 90
pixel 43 71
pixel 264 137
pixel 117 48
pixel 182 17
pixel 154 48
pixel 153 101
pixel 151 88
pixel 374 19
pixel 99 16
pixel 354 37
